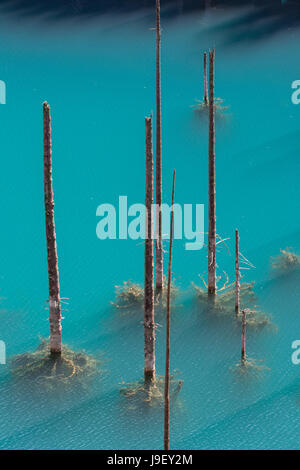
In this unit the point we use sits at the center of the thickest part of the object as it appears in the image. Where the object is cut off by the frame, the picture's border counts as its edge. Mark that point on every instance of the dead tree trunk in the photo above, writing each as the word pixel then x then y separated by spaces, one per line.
pixel 205 99
pixel 243 352
pixel 211 183
pixel 158 237
pixel 53 276
pixel 237 274
pixel 149 325
pixel 167 373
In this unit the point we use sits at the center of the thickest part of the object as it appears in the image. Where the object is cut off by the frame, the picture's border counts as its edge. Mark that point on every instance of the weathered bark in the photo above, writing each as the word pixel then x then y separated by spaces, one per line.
pixel 158 237
pixel 243 352
pixel 237 274
pixel 149 325
pixel 211 183
pixel 53 276
pixel 205 99
pixel 167 372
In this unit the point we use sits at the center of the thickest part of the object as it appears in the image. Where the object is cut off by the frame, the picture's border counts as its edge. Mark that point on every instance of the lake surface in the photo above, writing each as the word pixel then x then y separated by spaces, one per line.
pixel 98 76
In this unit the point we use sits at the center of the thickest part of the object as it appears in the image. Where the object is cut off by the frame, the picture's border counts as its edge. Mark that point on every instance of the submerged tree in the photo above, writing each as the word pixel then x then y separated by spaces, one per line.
pixel 158 238
pixel 211 183
pixel 243 349
pixel 149 324
pixel 167 372
pixel 153 390
pixel 248 367
pixel 52 365
pixel 205 98
pixel 286 262
pixel 53 275
pixel 230 298
pixel 202 106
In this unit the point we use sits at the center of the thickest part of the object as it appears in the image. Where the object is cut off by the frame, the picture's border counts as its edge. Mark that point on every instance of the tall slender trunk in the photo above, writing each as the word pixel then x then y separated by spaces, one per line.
pixel 237 274
pixel 53 276
pixel 149 325
pixel 167 373
pixel 211 183
pixel 205 99
pixel 158 238
pixel 243 351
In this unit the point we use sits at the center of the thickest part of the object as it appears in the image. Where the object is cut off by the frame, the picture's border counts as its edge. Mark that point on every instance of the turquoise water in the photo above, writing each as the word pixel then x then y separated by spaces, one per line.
pixel 98 76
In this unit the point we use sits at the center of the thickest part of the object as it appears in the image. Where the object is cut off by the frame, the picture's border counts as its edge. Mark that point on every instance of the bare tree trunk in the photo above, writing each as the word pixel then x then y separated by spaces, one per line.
pixel 53 276
pixel 158 238
pixel 167 373
pixel 237 274
pixel 205 99
pixel 243 352
pixel 149 325
pixel 212 183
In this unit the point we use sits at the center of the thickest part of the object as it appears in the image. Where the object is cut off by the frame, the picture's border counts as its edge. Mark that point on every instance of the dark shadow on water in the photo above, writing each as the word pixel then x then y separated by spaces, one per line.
pixel 267 16
pixel 267 19
pixel 58 9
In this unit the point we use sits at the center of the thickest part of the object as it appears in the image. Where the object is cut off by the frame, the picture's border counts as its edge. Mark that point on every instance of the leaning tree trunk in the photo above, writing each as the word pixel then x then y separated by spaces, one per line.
pixel 53 276
pixel 237 274
pixel 205 99
pixel 149 325
pixel 158 237
pixel 211 183
pixel 167 373
pixel 243 350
